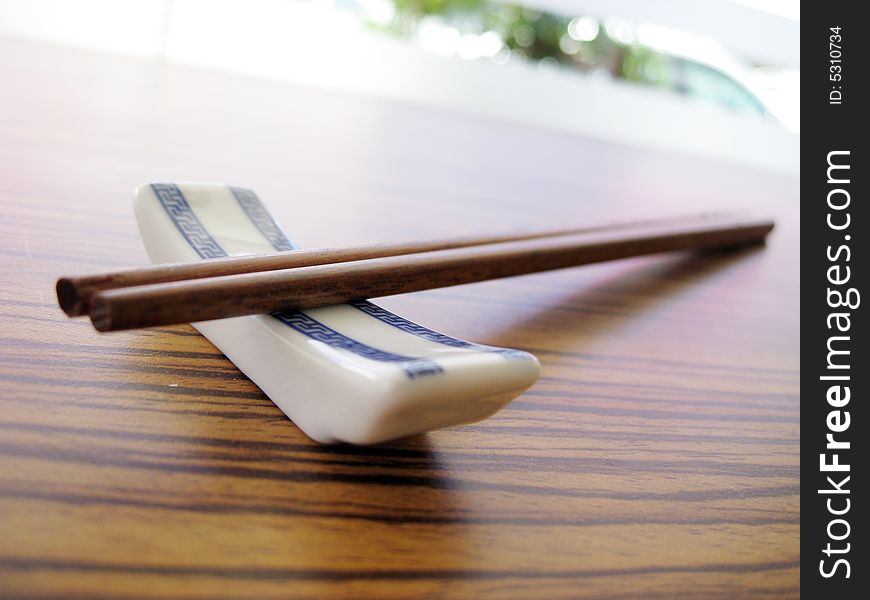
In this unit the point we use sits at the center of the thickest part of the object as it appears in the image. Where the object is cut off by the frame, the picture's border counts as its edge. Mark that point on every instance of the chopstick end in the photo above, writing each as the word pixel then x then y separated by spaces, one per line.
pixel 69 299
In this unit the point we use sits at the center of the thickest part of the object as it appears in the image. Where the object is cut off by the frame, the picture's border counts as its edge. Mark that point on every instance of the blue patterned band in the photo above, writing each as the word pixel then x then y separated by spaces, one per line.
pixel 193 231
pixel 260 217
pixel 318 331
pixel 262 220
pixel 385 316
pixel 178 209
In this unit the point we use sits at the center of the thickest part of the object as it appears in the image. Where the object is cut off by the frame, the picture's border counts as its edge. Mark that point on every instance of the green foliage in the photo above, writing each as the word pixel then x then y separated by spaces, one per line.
pixel 541 36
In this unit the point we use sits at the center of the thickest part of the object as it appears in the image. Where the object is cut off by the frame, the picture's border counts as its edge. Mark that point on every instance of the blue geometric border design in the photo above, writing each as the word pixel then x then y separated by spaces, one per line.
pixel 385 316
pixel 318 331
pixel 191 228
pixel 178 209
pixel 262 220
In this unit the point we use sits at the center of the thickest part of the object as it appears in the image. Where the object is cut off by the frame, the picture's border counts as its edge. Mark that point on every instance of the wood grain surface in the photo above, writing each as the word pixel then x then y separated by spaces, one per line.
pixel 657 457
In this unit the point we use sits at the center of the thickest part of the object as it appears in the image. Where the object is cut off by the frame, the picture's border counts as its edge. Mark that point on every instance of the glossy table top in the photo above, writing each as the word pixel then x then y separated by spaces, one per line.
pixel 657 455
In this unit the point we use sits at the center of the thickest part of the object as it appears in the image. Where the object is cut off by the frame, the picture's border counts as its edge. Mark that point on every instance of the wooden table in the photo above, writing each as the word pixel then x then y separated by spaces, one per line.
pixel 656 457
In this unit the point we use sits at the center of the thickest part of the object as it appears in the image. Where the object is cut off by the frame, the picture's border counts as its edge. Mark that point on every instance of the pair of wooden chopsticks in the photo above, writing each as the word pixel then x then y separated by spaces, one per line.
pixel 231 287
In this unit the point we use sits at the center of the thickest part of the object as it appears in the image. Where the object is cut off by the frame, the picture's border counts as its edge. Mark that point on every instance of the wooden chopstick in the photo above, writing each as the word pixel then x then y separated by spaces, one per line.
pixel 325 284
pixel 74 293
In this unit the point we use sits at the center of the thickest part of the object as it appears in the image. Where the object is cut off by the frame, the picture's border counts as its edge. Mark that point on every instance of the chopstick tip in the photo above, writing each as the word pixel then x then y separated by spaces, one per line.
pixel 69 299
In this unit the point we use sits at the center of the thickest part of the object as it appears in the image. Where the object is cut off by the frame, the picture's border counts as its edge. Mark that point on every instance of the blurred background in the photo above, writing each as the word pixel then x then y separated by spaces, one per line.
pixel 698 77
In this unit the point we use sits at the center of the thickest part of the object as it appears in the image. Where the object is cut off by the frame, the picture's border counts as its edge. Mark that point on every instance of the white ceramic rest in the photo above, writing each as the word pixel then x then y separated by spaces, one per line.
pixel 353 372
